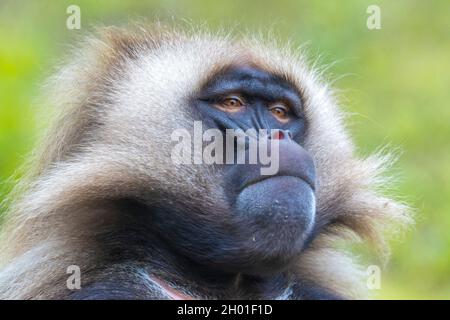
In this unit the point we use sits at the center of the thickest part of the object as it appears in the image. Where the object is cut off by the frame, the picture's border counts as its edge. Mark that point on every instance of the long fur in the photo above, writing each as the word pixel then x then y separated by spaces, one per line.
pixel 122 93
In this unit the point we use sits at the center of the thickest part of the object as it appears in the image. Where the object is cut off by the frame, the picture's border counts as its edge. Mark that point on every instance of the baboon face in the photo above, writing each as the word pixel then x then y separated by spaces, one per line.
pixel 271 215
pixel 227 216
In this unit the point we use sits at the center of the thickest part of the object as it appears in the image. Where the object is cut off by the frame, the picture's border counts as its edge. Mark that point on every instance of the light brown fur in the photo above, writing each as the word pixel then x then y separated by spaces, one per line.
pixel 52 219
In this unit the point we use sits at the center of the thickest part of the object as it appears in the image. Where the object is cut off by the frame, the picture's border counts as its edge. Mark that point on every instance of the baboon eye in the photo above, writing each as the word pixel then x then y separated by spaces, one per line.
pixel 231 103
pixel 280 112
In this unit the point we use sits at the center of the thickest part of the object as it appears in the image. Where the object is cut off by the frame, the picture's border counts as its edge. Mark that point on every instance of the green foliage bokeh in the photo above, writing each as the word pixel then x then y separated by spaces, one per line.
pixel 395 84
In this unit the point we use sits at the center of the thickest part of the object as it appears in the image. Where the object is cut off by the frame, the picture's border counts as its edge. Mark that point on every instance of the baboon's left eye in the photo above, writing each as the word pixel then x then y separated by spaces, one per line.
pixel 280 111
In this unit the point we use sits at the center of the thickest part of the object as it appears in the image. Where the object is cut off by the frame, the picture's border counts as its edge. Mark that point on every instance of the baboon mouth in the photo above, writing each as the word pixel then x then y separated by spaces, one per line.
pixel 279 177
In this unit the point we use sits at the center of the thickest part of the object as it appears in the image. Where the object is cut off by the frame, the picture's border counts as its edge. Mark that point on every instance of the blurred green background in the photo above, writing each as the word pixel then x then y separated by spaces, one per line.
pixel 395 81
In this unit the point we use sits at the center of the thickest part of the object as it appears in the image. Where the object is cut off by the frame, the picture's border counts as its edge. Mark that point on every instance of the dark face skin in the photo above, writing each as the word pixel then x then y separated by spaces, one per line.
pixel 269 218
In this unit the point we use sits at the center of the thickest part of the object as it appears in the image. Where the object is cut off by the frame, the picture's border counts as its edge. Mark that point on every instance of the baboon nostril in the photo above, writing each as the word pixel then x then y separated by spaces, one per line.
pixel 278 135
pixel 281 134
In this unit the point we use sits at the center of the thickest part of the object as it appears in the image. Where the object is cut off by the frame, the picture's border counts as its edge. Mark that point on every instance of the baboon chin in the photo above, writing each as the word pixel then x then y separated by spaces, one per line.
pixel 104 193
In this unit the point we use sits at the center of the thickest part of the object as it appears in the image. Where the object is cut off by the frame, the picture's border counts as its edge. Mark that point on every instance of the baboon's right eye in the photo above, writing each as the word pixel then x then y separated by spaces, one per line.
pixel 231 103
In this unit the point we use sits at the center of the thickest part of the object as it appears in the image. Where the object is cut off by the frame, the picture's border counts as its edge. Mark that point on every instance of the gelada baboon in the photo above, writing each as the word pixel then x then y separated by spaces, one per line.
pixel 103 194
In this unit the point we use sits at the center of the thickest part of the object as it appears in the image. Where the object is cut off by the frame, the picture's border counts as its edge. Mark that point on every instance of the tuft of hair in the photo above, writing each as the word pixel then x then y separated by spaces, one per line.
pixel 50 223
